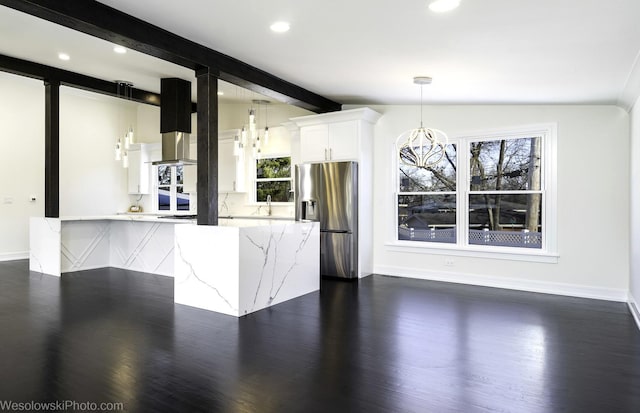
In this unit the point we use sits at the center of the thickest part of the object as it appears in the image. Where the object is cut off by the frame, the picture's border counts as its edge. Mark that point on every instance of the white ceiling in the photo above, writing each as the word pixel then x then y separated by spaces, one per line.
pixel 367 52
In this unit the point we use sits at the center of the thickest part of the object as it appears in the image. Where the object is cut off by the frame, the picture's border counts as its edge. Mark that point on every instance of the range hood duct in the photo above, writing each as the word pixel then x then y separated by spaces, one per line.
pixel 175 122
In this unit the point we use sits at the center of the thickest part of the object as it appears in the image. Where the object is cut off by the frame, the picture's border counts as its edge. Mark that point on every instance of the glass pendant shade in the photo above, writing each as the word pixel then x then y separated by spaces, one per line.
pixel 252 120
pixel 236 146
pixel 118 150
pixel 125 159
pixel 266 135
pixel 243 135
pixel 130 135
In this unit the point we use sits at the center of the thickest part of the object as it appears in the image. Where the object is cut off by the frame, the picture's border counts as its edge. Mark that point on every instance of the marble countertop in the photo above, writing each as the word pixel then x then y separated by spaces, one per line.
pixel 230 221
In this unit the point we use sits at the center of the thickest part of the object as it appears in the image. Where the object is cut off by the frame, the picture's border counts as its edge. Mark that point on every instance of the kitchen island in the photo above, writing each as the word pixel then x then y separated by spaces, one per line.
pixel 237 267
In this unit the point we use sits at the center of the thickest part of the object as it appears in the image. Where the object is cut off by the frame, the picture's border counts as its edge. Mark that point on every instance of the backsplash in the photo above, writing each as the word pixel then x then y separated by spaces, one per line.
pixel 235 204
pixel 229 204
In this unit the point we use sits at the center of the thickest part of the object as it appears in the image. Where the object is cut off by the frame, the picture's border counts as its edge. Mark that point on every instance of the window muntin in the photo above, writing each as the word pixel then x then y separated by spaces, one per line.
pixel 501 199
pixel 273 178
pixel 170 189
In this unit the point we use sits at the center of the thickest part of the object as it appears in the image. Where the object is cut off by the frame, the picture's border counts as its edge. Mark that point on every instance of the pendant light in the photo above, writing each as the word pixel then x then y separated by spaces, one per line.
pixel 421 147
pixel 124 90
pixel 236 145
pixel 266 122
pixel 118 149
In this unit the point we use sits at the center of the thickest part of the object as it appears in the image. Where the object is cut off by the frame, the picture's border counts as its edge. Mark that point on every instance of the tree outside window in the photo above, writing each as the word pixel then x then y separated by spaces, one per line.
pixel 273 178
pixel 427 201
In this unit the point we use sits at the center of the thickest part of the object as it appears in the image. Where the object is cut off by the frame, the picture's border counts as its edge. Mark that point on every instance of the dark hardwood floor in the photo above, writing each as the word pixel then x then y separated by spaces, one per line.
pixel 381 345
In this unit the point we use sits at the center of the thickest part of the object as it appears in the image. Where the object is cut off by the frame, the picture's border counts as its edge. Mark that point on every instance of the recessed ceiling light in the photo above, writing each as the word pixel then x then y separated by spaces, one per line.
pixel 280 27
pixel 441 6
pixel 63 56
pixel 119 49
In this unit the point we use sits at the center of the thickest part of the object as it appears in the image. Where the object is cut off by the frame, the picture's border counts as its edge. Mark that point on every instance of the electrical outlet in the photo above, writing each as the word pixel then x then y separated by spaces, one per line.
pixel 448 262
pixel 32 198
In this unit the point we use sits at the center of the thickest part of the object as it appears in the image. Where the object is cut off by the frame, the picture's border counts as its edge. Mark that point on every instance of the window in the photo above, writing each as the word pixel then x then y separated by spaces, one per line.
pixel 427 201
pixel 491 192
pixel 273 178
pixel 170 186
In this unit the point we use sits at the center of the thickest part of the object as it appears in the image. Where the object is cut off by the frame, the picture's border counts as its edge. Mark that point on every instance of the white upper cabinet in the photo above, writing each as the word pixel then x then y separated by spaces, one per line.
pixel 139 171
pixel 227 167
pixel 337 136
pixel 330 142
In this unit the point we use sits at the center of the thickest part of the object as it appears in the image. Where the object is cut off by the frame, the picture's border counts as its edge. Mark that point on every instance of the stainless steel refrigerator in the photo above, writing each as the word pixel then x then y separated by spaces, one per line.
pixel 328 193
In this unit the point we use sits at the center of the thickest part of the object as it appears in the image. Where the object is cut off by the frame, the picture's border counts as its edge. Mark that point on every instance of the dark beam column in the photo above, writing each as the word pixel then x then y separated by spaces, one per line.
pixel 52 148
pixel 207 147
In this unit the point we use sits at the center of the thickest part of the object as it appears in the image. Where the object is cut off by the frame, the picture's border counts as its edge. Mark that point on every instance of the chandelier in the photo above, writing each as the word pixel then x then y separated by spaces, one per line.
pixel 421 147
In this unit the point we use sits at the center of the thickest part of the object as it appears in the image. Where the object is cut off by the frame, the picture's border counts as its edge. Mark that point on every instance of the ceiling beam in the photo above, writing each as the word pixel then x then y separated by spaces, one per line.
pixel 42 72
pixel 107 23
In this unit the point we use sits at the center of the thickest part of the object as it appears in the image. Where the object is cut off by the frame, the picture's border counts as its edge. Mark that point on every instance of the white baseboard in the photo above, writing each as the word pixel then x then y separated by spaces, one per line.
pixel 13 256
pixel 571 290
pixel 635 311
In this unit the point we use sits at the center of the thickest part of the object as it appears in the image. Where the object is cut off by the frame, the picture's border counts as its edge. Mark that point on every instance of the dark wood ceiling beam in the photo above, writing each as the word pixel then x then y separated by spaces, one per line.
pixel 42 72
pixel 99 20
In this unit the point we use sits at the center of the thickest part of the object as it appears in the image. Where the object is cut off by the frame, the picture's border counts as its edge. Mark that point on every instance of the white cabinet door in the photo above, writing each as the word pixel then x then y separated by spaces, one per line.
pixel 226 166
pixel 314 142
pixel 139 170
pixel 330 142
pixel 343 141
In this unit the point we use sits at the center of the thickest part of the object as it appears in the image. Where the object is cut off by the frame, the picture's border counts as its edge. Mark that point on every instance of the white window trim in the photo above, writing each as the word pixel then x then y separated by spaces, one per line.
pixel 254 200
pixel 549 251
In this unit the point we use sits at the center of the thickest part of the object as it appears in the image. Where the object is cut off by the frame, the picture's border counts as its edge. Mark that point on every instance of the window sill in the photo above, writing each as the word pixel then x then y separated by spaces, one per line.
pixel 498 253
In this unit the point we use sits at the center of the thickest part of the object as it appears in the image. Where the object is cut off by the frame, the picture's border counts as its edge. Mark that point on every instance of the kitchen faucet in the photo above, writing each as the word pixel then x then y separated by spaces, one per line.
pixel 269 205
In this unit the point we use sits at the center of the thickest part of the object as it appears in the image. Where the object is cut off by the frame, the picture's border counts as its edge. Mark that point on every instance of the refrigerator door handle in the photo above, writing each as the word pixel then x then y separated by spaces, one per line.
pixel 336 231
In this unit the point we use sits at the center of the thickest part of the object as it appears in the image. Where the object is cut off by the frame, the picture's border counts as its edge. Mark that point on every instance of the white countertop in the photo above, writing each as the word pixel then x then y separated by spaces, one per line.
pixel 230 221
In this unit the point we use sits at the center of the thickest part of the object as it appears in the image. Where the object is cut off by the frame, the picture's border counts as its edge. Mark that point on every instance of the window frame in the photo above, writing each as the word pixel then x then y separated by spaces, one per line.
pixel 548 250
pixel 254 193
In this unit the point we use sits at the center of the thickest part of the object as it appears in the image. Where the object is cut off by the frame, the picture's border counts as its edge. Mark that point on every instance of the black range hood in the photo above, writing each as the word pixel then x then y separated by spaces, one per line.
pixel 175 122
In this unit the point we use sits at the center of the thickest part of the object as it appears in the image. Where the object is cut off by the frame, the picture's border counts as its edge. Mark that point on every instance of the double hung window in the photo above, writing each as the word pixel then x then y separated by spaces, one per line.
pixel 490 192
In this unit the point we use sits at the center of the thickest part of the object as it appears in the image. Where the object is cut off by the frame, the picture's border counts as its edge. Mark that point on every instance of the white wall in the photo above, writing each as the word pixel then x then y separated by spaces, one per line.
pixel 593 252
pixel 21 160
pixel 634 282
pixel 91 181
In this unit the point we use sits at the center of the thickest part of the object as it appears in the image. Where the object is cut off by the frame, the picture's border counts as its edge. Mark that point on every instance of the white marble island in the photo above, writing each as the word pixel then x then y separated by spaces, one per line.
pixel 240 266
pixel 245 265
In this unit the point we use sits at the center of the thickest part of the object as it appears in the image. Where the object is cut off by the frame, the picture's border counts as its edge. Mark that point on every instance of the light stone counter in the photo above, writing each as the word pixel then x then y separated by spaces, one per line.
pixel 239 266
pixel 245 266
